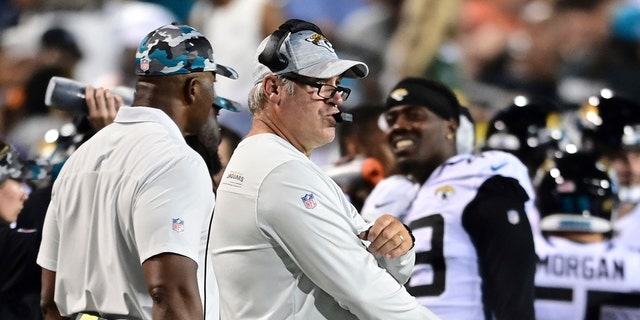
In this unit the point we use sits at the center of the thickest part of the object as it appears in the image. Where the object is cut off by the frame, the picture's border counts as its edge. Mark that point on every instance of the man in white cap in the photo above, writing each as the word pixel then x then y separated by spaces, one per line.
pixel 286 243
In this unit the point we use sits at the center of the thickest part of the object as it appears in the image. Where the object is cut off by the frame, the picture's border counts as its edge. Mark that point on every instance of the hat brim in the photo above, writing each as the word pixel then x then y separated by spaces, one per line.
pixel 333 68
pixel 225 71
pixel 227 104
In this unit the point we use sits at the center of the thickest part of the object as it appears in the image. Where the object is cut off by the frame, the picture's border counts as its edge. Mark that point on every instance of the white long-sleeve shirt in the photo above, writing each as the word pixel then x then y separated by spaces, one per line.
pixel 285 244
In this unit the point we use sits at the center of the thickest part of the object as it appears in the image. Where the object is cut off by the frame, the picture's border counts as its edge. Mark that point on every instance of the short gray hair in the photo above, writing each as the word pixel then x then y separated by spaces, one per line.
pixel 257 96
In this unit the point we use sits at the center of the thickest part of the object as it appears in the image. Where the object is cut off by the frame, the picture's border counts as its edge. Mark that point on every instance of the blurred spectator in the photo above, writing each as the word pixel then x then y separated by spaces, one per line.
pixel 58 47
pixel 131 21
pixel 35 118
pixel 180 9
pixel 365 34
pixel 485 29
pixel 240 25
pixel 58 55
pixel 507 48
pixel 532 58
pixel 326 14
pixel 591 57
pixel 413 52
pixel 364 137
pixel 19 273
pixel 612 127
pixel 11 10
pixel 365 156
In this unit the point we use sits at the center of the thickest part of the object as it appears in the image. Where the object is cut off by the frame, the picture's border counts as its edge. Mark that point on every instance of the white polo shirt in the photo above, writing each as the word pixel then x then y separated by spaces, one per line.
pixel 133 191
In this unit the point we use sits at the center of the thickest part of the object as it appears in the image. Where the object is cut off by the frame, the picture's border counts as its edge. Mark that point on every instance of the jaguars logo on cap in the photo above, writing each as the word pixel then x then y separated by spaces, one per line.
pixel 321 41
pixel 398 94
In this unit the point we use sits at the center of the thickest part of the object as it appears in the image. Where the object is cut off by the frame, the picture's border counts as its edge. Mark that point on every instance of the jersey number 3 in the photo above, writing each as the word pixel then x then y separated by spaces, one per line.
pixel 433 257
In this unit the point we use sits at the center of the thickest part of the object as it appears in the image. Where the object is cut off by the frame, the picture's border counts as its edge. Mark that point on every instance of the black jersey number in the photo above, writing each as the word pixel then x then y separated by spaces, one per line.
pixel 596 300
pixel 433 257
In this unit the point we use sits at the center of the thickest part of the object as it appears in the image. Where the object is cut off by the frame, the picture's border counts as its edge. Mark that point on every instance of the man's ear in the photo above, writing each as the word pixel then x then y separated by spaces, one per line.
pixel 452 129
pixel 270 86
pixel 189 90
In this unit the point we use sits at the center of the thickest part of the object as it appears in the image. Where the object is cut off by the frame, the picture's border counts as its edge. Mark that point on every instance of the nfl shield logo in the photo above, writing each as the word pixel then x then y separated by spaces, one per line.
pixel 309 201
pixel 513 217
pixel 178 225
pixel 144 64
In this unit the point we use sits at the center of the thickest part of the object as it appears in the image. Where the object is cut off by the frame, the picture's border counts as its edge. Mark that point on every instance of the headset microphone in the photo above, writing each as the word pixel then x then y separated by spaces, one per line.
pixel 343 117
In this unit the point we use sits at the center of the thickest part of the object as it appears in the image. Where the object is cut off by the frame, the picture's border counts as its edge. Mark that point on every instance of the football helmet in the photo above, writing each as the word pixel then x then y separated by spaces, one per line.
pixel 610 122
pixel 528 128
pixel 575 194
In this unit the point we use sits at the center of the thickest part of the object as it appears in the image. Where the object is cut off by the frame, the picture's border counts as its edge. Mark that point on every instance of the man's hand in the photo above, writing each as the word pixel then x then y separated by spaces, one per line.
pixel 102 106
pixel 388 237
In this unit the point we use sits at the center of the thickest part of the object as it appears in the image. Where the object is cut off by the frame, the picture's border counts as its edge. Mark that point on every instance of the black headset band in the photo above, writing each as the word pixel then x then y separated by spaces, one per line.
pixel 271 56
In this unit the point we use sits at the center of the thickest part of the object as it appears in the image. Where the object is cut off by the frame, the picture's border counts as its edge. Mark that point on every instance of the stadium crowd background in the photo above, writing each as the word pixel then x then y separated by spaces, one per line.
pixel 498 55
pixel 489 51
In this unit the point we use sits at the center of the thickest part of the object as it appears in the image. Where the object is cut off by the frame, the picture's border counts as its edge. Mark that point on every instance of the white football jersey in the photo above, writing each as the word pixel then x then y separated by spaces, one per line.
pixel 450 284
pixel 395 194
pixel 576 281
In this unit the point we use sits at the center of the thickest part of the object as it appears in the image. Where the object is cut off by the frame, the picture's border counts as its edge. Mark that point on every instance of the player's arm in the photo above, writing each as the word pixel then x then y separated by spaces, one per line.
pixel 168 233
pixel 47 259
pixel 48 306
pixel 498 226
pixel 400 241
pixel 322 239
pixel 173 287
pixel 389 238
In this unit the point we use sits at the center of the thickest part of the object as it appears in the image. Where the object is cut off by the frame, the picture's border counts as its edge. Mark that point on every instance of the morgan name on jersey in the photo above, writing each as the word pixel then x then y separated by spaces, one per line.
pixel 587 281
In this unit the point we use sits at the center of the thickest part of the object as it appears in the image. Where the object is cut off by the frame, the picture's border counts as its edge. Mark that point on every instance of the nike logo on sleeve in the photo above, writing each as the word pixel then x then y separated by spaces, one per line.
pixel 383 204
pixel 498 167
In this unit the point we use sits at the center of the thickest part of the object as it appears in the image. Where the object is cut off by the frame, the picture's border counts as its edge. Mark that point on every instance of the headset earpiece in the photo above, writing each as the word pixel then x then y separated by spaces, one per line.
pixel 271 56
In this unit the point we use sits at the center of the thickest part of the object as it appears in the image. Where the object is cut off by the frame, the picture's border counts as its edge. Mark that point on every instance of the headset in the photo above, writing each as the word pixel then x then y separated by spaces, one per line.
pixel 271 56
pixel 275 61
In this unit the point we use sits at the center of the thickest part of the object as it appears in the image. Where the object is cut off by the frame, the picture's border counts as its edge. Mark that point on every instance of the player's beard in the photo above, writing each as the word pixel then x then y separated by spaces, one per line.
pixel 409 167
pixel 206 144
pixel 207 151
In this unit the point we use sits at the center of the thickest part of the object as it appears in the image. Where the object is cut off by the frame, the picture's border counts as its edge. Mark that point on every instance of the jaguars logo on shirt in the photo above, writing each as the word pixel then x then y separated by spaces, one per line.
pixel 444 192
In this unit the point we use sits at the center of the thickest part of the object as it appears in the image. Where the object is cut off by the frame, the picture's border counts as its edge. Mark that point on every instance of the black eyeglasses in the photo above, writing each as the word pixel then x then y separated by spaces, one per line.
pixel 326 91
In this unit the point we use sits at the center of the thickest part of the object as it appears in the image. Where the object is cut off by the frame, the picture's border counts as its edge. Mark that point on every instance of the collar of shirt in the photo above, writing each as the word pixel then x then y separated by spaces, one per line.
pixel 146 114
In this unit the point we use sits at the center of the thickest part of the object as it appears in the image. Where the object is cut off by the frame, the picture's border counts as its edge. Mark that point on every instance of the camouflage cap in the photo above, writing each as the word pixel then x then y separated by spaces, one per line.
pixel 177 49
pixel 10 164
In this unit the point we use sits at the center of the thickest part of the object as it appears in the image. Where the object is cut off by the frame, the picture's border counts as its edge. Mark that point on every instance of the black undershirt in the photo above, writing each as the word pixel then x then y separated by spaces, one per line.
pixel 506 254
